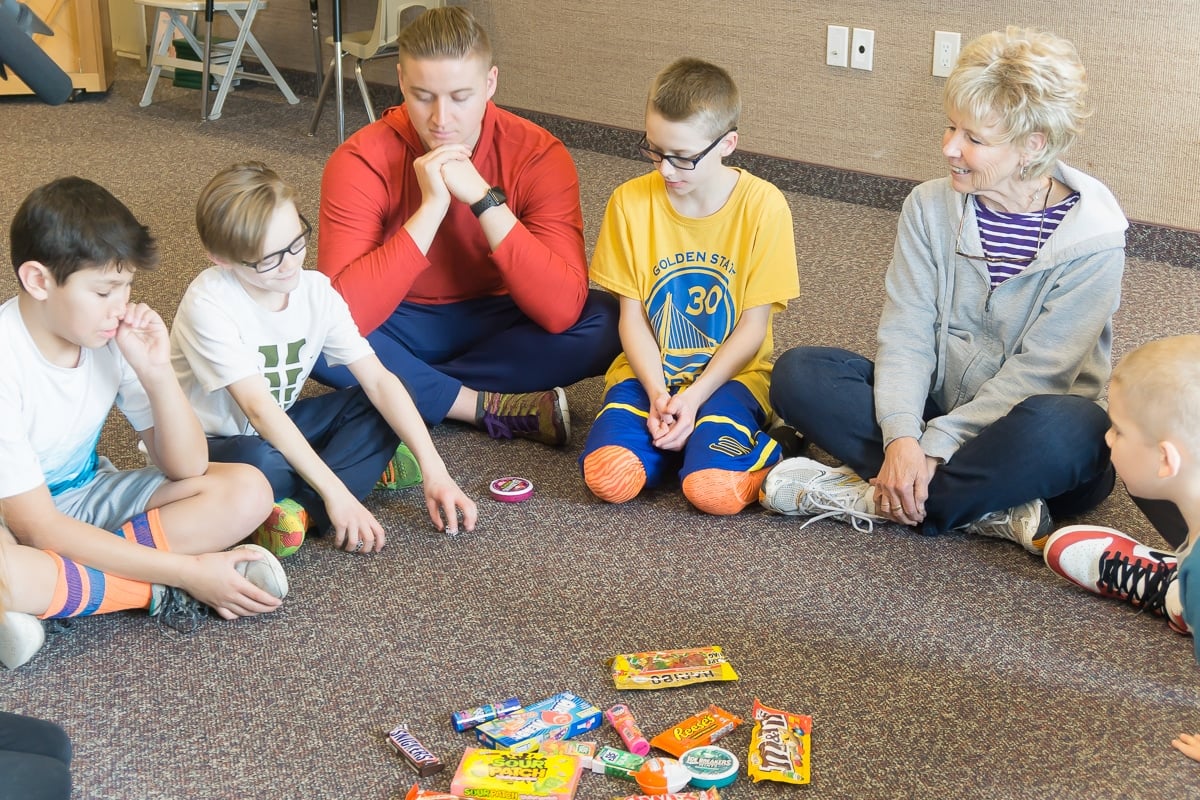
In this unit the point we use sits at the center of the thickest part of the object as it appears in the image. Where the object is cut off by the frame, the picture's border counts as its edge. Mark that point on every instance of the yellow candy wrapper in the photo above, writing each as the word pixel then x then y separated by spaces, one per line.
pixel 505 775
pixel 662 669
pixel 779 746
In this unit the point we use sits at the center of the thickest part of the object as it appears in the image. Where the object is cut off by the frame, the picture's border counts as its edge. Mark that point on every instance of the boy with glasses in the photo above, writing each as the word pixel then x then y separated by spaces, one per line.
pixel 701 256
pixel 245 338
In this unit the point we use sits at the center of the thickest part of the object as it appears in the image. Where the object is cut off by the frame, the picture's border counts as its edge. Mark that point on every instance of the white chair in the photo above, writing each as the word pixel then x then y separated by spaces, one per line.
pixel 242 12
pixel 379 42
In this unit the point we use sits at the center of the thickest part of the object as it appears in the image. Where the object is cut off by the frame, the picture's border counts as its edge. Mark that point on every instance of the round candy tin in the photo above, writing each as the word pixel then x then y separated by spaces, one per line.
pixel 710 766
pixel 511 489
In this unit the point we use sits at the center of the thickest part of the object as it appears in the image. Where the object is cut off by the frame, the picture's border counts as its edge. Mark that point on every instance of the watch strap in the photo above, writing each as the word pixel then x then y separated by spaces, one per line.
pixel 495 196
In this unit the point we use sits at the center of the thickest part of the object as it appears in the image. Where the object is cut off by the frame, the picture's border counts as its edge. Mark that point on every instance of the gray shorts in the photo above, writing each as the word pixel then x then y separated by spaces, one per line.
pixel 111 498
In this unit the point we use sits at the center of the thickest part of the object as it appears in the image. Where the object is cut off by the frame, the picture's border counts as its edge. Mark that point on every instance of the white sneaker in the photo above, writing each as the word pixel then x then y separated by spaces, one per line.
pixel 21 636
pixel 266 573
pixel 1027 524
pixel 804 487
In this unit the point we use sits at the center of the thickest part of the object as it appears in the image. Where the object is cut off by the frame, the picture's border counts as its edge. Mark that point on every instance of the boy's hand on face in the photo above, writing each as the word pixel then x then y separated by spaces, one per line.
pixel 429 169
pixel 447 504
pixel 355 529
pixel 143 339
pixel 217 583
pixel 1188 744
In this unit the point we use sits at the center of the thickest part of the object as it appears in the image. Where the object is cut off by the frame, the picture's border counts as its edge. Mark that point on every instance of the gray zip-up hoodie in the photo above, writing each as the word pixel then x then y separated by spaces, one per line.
pixel 946 334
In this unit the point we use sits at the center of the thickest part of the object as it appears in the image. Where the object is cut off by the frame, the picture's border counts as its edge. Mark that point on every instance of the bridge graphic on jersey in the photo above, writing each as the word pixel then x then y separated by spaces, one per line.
pixel 686 346
pixel 677 334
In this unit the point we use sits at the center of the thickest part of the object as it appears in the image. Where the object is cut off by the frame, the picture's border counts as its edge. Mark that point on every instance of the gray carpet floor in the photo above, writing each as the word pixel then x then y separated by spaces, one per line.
pixel 951 667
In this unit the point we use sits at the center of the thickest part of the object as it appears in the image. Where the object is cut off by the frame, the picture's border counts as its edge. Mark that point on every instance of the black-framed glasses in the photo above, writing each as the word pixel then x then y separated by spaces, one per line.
pixel 678 162
pixel 1023 261
pixel 272 260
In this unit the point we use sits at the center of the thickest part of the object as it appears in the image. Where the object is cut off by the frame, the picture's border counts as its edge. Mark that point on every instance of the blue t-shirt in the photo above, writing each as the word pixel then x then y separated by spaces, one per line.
pixel 1189 592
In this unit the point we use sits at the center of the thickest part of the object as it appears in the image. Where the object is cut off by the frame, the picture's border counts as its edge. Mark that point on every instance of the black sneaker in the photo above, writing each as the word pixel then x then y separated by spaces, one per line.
pixel 176 609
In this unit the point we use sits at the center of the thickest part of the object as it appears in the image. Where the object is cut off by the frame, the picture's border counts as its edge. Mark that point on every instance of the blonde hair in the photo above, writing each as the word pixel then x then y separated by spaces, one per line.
pixel 445 32
pixel 1023 81
pixel 1160 387
pixel 690 88
pixel 235 209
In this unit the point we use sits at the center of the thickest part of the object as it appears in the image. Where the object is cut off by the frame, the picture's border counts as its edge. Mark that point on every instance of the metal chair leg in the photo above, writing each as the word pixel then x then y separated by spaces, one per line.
pixel 362 89
pixel 326 85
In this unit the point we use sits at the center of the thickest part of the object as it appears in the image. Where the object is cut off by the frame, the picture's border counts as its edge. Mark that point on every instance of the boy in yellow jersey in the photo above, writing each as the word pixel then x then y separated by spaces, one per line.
pixel 701 256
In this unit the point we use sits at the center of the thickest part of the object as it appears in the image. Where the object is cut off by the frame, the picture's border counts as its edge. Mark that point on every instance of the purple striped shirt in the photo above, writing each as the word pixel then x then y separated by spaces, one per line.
pixel 1016 236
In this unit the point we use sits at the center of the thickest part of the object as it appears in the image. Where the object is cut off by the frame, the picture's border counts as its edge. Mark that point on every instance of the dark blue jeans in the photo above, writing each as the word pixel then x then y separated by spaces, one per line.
pixel 350 436
pixel 487 344
pixel 1048 446
pixel 35 759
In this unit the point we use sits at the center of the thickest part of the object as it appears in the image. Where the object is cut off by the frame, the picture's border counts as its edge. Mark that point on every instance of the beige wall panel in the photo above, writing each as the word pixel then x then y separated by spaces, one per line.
pixel 593 60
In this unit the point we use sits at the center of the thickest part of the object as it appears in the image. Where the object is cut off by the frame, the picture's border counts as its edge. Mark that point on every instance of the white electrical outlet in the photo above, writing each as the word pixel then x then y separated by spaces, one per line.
pixel 862 49
pixel 837 45
pixel 945 52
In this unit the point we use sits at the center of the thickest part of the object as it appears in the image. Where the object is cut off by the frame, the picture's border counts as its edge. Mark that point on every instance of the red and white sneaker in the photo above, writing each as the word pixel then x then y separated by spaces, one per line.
pixel 1111 564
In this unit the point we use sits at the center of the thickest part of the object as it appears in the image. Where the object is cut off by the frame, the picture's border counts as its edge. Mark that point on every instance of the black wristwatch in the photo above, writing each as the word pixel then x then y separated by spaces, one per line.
pixel 495 196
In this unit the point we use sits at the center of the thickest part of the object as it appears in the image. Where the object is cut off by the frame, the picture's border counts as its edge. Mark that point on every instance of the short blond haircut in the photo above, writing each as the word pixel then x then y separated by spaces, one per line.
pixel 1022 81
pixel 1160 389
pixel 445 32
pixel 690 89
pixel 235 210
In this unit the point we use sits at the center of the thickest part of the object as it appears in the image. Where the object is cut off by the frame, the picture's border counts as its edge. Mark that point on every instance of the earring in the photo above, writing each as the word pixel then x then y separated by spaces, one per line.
pixel 1024 171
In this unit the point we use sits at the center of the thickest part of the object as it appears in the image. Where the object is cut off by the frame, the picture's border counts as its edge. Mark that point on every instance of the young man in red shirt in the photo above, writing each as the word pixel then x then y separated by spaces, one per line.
pixel 454 232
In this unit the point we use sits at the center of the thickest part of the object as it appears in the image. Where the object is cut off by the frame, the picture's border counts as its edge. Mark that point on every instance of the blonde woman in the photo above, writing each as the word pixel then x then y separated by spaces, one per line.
pixel 980 412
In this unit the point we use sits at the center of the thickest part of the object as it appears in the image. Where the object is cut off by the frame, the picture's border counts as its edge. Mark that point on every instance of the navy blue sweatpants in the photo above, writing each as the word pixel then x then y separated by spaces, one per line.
pixel 345 430
pixel 488 344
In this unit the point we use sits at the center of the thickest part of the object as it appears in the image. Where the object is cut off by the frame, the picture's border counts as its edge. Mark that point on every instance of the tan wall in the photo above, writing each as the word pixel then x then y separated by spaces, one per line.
pixel 593 59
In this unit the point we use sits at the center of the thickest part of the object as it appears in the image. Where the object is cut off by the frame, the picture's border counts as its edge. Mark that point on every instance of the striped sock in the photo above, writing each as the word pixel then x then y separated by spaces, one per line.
pixel 614 474
pixel 723 491
pixel 145 529
pixel 82 591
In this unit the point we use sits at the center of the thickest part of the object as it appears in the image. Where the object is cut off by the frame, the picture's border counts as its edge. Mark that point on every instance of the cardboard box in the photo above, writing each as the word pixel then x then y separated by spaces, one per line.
pixel 559 717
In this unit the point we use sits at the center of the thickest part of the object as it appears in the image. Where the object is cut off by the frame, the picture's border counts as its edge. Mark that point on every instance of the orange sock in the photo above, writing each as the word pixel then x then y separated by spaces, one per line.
pixel 723 491
pixel 146 529
pixel 83 591
pixel 614 474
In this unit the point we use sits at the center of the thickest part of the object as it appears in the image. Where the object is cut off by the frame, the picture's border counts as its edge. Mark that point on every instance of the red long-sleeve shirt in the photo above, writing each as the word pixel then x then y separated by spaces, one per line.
pixel 369 190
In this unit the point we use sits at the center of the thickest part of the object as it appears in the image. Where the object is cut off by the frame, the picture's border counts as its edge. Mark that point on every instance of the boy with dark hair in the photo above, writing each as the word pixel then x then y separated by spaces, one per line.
pixel 1153 405
pixel 701 256
pixel 246 337
pixel 73 345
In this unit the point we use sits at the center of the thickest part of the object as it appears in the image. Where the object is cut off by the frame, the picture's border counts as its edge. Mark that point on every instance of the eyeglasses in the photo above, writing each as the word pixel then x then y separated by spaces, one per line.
pixel 1020 260
pixel 678 162
pixel 272 260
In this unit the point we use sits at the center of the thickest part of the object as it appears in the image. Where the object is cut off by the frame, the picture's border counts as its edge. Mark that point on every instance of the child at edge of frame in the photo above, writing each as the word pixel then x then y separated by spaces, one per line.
pixel 82 537
pixel 1153 402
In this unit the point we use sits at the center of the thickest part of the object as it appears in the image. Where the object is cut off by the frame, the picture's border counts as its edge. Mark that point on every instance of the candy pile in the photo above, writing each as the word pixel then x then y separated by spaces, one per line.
pixel 525 750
